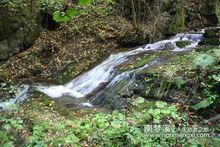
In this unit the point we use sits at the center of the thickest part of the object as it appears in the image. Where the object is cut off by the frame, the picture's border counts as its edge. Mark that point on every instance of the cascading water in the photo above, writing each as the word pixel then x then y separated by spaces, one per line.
pixel 21 95
pixel 106 72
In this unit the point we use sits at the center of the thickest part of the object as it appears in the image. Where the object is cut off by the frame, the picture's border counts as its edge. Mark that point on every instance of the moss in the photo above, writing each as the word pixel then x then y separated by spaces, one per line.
pixel 177 65
pixel 142 60
pixel 182 44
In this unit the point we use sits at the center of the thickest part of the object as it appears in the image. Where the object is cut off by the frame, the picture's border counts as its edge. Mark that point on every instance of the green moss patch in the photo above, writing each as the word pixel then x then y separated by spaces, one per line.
pixel 182 44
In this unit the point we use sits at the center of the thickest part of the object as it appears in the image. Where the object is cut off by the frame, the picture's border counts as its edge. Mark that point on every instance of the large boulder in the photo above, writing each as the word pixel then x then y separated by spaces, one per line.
pixel 19 26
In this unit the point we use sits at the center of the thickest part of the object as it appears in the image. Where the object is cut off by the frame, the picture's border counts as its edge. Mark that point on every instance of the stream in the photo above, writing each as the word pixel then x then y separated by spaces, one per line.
pixel 85 89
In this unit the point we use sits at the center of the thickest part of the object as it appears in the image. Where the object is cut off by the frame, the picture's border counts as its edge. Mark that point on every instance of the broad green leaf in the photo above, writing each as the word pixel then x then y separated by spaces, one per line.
pixel 64 18
pixel 60 16
pixel 71 12
pixel 57 16
pixel 84 2
pixel 203 60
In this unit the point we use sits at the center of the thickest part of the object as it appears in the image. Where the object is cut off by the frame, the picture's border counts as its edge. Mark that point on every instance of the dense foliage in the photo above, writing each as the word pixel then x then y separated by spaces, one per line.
pixel 113 129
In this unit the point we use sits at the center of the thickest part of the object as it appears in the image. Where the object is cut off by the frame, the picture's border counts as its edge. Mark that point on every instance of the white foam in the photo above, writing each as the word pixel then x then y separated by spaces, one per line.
pixel 87 104
pixel 58 91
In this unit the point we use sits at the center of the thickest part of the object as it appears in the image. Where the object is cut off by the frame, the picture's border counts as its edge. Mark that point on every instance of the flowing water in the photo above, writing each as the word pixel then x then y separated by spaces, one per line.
pixel 104 75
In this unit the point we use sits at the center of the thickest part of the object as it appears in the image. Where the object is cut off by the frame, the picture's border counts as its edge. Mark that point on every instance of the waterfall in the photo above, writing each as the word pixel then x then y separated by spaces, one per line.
pixel 106 72
pixel 21 95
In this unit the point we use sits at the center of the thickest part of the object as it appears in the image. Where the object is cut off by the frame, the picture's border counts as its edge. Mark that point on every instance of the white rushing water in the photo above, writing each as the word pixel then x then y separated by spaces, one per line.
pixel 21 95
pixel 105 73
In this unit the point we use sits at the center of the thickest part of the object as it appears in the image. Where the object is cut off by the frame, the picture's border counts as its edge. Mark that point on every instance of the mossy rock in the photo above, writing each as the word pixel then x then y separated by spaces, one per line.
pixel 19 25
pixel 210 41
pixel 183 43
pixel 212 36
pixel 169 46
pixel 212 32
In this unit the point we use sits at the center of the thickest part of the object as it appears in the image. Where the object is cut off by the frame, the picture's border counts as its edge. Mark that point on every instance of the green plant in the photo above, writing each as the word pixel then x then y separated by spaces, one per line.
pixel 9 130
pixel 64 16
pixel 84 2
pixel 203 60
pixel 179 82
pixel 9 88
pixel 211 96
pixel 116 128
pixel 207 63
pixel 60 16
pixel 164 86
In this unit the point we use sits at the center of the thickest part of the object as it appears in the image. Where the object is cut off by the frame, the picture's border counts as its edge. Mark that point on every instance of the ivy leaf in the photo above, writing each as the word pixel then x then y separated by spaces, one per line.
pixel 84 2
pixel 203 60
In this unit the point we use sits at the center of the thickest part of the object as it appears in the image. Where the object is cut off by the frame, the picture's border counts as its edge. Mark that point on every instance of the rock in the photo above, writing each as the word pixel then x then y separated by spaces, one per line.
pixel 4 51
pixel 19 25
pixel 169 46
pixel 213 32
